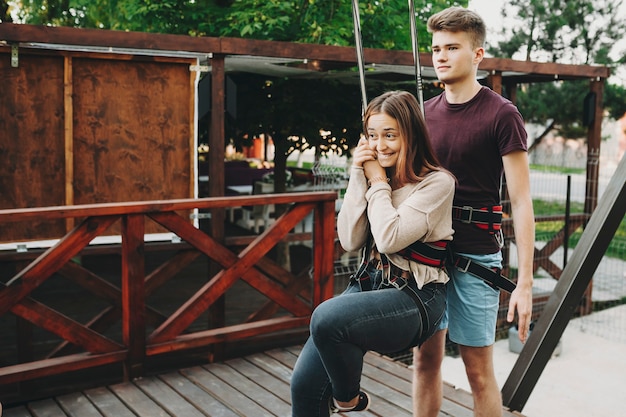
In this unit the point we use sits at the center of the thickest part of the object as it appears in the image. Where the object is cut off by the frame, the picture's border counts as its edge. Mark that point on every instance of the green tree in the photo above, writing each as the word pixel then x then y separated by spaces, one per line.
pixel 385 23
pixel 572 31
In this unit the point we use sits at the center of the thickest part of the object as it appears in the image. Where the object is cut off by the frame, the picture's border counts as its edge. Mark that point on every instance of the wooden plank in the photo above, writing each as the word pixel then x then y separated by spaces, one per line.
pixel 287 356
pixel 51 261
pixel 381 405
pixel 77 404
pixel 386 401
pixel 46 408
pixel 404 373
pixel 272 366
pixel 137 401
pixel 20 411
pixel 113 99
pixel 32 172
pixel 56 366
pixel 255 385
pixel 203 400
pixel 237 267
pixel 66 328
pixel 278 386
pixel 262 395
pixel 225 393
pixel 167 398
pixel 108 403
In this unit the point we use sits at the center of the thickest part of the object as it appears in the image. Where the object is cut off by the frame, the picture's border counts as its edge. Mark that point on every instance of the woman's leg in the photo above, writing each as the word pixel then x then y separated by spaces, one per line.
pixel 310 386
pixel 344 328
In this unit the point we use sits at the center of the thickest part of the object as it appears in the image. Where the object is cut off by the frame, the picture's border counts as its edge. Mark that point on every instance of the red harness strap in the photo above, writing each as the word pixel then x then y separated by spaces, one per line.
pixel 486 218
pixel 427 253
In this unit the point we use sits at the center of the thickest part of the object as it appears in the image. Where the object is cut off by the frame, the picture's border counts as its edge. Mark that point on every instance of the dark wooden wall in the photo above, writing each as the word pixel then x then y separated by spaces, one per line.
pixel 82 128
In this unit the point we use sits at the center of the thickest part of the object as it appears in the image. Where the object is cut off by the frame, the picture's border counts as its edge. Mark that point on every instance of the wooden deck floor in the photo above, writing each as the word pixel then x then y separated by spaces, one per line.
pixel 253 386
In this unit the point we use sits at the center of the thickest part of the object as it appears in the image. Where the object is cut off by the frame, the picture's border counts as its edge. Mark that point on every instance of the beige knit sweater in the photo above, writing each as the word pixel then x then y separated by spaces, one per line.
pixel 421 211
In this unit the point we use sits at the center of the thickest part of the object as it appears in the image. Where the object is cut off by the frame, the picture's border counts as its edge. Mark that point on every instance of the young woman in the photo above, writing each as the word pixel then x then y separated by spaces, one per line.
pixel 398 194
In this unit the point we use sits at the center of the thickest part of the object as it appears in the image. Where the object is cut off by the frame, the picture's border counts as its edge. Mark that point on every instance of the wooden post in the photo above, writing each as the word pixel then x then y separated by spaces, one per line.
pixel 217 312
pixel 133 301
pixel 324 252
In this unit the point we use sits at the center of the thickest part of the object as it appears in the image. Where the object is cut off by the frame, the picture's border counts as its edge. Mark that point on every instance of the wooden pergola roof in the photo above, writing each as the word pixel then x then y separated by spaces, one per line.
pixel 314 57
pixel 222 55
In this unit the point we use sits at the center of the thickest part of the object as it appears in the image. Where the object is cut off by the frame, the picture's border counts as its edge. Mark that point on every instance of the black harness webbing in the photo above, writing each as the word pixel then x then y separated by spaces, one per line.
pixel 486 218
pixel 489 275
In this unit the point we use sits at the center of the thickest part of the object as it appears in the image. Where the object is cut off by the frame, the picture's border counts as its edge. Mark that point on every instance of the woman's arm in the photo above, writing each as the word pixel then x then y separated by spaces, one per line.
pixel 425 214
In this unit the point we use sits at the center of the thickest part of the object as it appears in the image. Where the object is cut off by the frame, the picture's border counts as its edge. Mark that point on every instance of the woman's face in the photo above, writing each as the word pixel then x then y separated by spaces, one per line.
pixel 383 136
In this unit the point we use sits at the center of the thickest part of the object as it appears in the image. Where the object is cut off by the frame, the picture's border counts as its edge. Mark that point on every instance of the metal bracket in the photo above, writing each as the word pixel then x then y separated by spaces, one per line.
pixel 15 56
pixel 200 216
pixel 199 68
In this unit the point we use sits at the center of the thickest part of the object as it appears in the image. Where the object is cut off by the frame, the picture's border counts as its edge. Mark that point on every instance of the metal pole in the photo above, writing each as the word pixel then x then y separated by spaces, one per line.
pixel 567 220
pixel 359 52
pixel 416 55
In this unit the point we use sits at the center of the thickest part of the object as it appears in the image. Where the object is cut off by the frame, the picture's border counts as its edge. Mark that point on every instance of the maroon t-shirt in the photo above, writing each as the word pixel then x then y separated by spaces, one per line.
pixel 470 140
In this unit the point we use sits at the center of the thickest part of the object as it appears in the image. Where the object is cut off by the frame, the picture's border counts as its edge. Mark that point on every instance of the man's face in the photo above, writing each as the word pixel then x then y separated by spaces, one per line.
pixel 454 58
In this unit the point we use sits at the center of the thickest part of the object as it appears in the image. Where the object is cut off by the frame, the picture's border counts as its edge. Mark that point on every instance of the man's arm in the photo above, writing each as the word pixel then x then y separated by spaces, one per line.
pixel 518 183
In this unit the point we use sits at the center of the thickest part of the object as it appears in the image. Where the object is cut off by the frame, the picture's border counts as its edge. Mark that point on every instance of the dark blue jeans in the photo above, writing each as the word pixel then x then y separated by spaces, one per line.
pixel 345 327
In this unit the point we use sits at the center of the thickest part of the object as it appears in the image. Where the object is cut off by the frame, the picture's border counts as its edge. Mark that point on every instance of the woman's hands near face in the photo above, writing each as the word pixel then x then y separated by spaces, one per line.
pixel 365 157
pixel 363 153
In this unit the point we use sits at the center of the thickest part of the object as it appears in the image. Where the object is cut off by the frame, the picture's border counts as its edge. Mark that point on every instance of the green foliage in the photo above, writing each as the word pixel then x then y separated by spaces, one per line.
pixel 615 100
pixel 5 12
pixel 546 230
pixel 557 168
pixel 384 23
pixel 571 32
pixel 561 102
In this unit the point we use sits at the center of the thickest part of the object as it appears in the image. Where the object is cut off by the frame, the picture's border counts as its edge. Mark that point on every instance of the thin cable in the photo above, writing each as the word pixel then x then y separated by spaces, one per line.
pixel 359 53
pixel 416 56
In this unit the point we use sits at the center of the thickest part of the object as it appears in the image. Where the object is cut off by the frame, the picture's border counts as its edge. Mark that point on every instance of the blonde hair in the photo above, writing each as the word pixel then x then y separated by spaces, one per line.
pixel 459 19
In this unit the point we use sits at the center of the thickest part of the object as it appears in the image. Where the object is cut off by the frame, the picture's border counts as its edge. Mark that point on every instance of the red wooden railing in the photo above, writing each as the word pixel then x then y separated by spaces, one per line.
pixel 146 331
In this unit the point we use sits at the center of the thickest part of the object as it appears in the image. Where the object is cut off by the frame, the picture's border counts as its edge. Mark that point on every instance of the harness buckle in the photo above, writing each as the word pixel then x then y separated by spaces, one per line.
pixel 463 268
pixel 470 211
pixel 499 237
pixel 395 280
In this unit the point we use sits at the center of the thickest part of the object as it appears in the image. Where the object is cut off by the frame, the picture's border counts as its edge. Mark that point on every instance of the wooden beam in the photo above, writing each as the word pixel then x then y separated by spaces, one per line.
pixel 133 295
pixel 68 104
pixel 19 33
pixel 594 140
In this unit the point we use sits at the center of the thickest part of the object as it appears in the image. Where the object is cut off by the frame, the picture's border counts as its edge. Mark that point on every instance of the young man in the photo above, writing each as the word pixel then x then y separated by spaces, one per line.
pixel 477 135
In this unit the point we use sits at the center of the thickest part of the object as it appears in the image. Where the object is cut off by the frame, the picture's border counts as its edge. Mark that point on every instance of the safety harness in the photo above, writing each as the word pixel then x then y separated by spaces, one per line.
pixel 489 219
pixel 438 254
pixel 486 218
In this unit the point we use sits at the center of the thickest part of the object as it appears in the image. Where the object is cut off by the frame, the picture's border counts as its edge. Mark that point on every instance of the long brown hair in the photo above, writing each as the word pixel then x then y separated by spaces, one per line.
pixel 416 152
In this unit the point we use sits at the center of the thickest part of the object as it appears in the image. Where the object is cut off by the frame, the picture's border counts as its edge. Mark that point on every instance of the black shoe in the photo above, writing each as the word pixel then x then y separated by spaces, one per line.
pixel 362 405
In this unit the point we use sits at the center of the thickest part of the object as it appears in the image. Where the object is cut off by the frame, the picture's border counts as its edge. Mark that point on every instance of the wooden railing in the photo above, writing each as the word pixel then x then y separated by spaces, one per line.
pixel 146 331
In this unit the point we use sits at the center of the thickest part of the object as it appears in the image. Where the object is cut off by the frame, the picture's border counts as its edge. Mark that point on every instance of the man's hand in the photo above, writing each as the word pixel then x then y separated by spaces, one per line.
pixel 522 302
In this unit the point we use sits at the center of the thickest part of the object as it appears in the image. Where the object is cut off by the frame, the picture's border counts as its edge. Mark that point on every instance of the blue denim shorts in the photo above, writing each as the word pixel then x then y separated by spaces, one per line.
pixel 472 309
